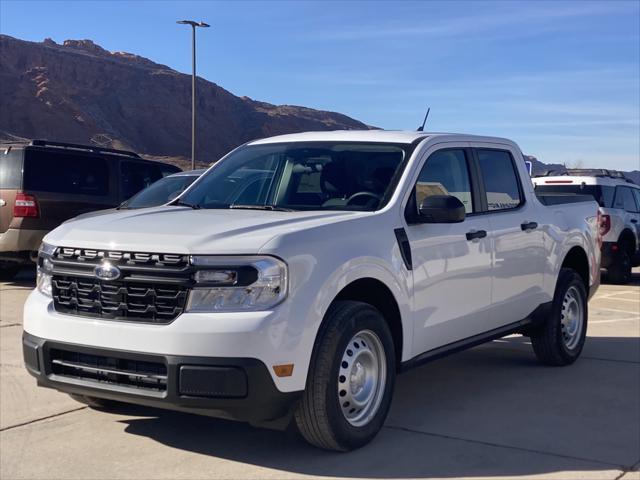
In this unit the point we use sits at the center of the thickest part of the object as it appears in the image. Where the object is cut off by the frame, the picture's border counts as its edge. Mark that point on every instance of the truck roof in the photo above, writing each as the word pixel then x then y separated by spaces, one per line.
pixel 382 136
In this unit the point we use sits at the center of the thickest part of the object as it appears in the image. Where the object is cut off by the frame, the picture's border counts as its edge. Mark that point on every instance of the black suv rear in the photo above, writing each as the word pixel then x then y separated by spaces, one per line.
pixel 44 183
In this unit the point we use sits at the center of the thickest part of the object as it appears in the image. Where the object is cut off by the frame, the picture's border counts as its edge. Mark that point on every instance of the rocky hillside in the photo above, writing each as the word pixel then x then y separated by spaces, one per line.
pixel 80 92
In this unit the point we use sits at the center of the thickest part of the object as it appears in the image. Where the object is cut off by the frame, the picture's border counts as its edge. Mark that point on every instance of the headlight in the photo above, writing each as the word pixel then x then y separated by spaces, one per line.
pixel 46 249
pixel 43 282
pixel 237 283
pixel 45 267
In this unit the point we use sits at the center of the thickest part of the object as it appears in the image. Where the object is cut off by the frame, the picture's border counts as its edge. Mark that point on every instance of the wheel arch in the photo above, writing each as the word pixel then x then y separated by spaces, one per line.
pixel 627 237
pixel 577 260
pixel 375 293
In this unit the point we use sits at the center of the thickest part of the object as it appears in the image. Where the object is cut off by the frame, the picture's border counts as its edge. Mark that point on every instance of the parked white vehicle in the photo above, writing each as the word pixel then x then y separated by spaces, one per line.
pixel 346 257
pixel 619 200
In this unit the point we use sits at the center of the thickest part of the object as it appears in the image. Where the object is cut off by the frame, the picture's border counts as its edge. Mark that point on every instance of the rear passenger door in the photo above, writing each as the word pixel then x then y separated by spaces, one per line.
pixel 519 257
pixel 636 195
pixel 451 272
pixel 10 183
pixel 626 200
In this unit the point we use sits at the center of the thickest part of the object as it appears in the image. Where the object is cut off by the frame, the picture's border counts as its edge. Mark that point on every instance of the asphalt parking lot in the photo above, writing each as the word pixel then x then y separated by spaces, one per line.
pixel 492 411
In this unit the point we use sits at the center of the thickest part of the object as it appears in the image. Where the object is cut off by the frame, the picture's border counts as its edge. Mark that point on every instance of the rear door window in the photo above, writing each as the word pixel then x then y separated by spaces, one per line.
pixel 11 168
pixel 137 175
pixel 64 172
pixel 624 199
pixel 500 179
pixel 166 169
pixel 636 193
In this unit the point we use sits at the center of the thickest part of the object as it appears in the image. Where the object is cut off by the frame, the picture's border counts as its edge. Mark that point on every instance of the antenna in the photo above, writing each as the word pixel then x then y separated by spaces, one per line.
pixel 421 127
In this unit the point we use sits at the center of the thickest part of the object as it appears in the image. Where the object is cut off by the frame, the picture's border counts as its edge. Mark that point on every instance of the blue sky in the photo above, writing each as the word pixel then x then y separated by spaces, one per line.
pixel 560 78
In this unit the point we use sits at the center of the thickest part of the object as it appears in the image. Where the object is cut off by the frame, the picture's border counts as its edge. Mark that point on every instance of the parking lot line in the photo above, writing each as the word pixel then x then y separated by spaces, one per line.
pixel 613 294
pixel 508 447
pixel 635 312
pixel 613 320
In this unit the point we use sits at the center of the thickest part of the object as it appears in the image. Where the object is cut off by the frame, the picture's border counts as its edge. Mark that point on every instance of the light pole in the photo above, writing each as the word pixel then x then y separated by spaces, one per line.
pixel 193 85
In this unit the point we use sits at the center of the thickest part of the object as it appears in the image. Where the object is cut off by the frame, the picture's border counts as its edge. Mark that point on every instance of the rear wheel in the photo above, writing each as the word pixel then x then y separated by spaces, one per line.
pixel 561 339
pixel 351 379
pixel 620 271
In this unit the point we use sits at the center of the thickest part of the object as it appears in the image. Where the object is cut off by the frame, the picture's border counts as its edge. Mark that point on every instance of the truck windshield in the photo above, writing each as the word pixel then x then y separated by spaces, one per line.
pixel 301 176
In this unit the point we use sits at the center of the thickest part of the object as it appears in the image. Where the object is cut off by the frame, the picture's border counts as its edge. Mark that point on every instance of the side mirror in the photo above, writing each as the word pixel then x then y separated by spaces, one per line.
pixel 441 209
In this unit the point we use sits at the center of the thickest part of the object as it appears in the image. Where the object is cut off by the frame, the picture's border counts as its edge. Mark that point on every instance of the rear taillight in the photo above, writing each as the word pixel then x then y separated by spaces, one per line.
pixel 605 224
pixel 25 206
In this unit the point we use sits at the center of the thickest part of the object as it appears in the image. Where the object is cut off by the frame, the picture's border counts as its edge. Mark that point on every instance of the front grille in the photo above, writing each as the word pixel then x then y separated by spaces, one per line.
pixel 148 302
pixel 150 287
pixel 150 260
pixel 131 374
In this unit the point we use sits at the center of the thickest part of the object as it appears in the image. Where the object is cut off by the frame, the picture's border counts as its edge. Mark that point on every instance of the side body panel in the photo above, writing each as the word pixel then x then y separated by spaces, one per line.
pixel 624 218
pixel 519 258
pixel 446 268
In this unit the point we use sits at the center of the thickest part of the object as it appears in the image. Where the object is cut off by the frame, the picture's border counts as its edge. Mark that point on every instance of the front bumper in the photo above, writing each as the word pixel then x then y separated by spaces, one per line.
pixel 235 388
pixel 268 336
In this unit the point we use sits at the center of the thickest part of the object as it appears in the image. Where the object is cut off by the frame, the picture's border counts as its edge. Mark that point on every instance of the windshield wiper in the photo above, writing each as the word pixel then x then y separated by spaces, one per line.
pixel 185 204
pixel 272 208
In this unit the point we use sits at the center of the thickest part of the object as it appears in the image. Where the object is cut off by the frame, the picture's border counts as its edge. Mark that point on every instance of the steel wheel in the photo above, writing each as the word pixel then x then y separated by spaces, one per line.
pixel 361 378
pixel 572 318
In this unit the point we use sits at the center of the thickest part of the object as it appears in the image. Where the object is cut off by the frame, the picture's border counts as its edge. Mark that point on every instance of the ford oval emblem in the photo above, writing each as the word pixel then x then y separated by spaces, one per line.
pixel 106 271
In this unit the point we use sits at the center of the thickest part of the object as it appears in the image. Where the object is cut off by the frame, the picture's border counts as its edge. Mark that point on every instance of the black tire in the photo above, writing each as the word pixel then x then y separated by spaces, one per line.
pixel 620 271
pixel 549 340
pixel 97 403
pixel 8 272
pixel 319 416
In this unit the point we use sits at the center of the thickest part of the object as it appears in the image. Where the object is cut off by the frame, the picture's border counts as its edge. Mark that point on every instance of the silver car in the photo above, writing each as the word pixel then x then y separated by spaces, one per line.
pixel 619 200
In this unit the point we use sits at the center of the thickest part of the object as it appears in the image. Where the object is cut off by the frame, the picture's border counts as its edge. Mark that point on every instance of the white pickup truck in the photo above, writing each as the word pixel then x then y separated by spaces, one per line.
pixel 295 278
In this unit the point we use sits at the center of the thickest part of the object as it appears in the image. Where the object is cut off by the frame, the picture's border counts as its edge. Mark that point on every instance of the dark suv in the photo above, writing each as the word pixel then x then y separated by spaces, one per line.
pixel 44 183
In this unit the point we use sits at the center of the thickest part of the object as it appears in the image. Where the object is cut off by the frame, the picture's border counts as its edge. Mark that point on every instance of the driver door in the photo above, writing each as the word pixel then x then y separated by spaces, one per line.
pixel 451 261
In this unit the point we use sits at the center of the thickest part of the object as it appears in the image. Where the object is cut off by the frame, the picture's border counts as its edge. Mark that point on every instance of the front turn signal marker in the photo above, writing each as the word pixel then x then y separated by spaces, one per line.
pixel 283 370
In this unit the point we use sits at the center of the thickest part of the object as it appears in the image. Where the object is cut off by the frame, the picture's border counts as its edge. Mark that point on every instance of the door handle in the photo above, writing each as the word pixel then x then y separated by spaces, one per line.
pixel 528 226
pixel 633 220
pixel 476 235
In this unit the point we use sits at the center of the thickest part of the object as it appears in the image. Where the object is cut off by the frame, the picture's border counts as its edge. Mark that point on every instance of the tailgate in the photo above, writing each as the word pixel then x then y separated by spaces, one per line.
pixel 10 183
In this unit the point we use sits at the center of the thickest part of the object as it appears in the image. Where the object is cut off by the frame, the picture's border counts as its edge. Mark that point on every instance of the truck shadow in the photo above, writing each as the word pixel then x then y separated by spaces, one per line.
pixel 635 277
pixel 490 411
pixel 25 278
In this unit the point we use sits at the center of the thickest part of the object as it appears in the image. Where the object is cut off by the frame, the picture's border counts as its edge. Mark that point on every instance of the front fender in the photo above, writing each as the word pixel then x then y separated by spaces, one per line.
pixel 321 264
pixel 367 268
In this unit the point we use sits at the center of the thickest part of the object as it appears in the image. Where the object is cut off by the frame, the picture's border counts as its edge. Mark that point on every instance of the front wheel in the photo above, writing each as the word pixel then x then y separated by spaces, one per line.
pixel 351 379
pixel 559 341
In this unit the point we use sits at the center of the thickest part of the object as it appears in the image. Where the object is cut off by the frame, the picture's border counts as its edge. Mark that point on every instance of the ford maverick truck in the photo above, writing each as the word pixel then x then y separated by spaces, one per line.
pixel 293 280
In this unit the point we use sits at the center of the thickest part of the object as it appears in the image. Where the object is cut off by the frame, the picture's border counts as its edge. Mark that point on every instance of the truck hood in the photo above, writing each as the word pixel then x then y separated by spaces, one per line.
pixel 187 231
